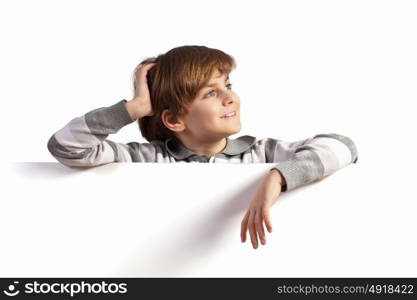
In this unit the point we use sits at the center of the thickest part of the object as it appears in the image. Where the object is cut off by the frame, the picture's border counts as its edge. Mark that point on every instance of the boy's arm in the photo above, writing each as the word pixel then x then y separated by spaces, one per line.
pixel 82 142
pixel 280 179
pixel 310 159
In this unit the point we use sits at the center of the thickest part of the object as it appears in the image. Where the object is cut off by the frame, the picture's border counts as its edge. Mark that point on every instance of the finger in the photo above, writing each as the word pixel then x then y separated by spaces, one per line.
pixel 251 225
pixel 259 226
pixel 267 219
pixel 149 65
pixel 144 69
pixel 244 227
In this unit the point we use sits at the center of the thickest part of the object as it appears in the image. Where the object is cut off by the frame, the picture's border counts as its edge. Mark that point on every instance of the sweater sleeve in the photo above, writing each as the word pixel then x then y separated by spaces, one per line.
pixel 83 141
pixel 310 159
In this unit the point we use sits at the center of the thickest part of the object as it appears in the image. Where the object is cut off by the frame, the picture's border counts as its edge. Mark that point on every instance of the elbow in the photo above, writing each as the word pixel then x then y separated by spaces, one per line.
pixel 349 143
pixel 52 145
pixel 67 157
pixel 352 147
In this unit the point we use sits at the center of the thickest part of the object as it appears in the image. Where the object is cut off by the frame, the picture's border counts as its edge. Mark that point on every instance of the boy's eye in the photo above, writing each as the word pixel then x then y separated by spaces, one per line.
pixel 228 85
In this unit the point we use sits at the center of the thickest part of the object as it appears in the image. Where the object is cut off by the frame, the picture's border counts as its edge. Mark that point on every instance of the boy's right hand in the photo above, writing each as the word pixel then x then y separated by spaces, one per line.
pixel 141 105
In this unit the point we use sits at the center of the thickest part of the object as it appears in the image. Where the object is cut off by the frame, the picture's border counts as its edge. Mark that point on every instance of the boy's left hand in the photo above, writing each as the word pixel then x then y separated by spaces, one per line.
pixel 258 212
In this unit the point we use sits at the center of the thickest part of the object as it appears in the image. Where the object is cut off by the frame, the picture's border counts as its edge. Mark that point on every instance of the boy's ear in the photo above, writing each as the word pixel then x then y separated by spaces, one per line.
pixel 172 122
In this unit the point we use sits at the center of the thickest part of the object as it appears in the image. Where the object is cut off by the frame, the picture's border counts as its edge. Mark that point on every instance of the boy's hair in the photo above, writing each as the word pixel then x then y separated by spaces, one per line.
pixel 174 82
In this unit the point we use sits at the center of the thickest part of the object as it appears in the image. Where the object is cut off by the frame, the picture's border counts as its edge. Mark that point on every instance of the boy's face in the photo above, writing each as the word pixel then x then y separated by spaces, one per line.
pixel 205 118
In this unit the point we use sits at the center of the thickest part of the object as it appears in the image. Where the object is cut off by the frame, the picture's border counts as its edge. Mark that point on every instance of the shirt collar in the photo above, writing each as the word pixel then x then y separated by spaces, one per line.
pixel 233 146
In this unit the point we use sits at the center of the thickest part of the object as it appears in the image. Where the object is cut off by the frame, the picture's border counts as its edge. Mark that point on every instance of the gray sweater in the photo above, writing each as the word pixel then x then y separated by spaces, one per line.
pixel 83 142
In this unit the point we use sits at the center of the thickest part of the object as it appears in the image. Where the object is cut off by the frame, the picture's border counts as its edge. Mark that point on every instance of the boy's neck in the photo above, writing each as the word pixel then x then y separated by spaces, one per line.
pixel 204 148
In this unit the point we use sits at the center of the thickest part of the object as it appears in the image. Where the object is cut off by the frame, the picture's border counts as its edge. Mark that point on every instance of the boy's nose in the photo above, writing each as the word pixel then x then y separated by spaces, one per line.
pixel 229 100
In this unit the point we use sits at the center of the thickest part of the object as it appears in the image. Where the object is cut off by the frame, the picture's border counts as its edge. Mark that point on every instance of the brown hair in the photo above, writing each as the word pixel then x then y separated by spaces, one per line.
pixel 175 81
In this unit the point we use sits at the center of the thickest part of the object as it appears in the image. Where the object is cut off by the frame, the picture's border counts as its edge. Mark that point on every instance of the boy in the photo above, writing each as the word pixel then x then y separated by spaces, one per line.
pixel 186 109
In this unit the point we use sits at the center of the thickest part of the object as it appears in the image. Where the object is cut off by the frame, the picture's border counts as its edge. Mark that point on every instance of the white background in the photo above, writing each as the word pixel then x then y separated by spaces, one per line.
pixel 303 68
pixel 117 221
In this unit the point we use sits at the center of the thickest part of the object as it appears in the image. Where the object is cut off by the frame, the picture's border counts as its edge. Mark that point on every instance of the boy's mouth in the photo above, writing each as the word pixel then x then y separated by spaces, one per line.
pixel 229 115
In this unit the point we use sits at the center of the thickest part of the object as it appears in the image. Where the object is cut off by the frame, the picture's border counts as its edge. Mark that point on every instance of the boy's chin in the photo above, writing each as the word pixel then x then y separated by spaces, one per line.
pixel 230 131
pixel 233 131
